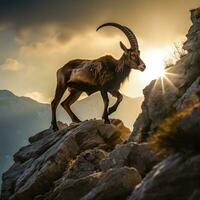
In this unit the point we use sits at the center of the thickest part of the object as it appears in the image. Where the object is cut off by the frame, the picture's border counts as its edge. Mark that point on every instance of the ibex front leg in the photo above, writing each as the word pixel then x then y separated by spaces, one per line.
pixel 119 97
pixel 106 102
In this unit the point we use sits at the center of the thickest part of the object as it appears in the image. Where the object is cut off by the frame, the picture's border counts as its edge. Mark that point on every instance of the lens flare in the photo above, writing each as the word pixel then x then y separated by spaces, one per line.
pixel 155 62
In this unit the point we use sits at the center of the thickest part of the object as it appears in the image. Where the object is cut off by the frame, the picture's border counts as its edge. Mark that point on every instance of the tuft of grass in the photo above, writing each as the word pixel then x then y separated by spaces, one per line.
pixel 175 137
pixel 177 53
pixel 169 63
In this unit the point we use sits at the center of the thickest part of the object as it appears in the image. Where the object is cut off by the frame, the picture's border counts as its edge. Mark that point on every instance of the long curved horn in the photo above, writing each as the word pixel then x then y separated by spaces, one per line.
pixel 129 34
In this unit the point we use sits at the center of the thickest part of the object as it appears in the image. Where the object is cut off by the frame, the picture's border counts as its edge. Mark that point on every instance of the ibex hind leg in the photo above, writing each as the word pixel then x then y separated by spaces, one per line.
pixel 73 96
pixel 106 102
pixel 54 104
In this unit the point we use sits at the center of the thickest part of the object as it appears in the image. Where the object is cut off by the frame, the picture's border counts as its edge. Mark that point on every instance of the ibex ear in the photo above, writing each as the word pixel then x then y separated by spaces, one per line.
pixel 123 47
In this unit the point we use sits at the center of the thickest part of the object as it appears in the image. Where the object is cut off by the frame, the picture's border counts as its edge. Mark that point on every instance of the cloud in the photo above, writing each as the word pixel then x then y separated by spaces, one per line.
pixel 67 17
pixel 34 19
pixel 38 96
pixel 11 65
pixel 43 24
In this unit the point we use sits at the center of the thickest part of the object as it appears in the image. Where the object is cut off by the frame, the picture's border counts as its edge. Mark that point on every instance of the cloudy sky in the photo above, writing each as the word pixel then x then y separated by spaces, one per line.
pixel 39 36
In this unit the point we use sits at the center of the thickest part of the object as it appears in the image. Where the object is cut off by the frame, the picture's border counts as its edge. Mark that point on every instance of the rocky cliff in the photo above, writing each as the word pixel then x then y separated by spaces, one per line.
pixel 95 161
pixel 79 161
pixel 28 116
pixel 170 123
pixel 174 92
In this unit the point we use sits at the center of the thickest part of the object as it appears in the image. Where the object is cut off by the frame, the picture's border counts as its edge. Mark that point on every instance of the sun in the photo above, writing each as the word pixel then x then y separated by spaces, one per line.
pixel 155 62
pixel 154 58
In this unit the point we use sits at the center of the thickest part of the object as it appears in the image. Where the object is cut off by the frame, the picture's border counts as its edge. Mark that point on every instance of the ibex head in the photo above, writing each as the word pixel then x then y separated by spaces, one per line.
pixel 132 55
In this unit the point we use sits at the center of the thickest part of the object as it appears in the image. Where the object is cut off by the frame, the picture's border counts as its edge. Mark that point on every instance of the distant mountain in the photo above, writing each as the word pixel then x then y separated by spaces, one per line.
pixel 20 117
pixel 92 107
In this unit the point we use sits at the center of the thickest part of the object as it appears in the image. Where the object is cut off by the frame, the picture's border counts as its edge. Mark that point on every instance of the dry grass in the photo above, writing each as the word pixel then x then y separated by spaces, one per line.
pixel 177 54
pixel 169 63
pixel 171 138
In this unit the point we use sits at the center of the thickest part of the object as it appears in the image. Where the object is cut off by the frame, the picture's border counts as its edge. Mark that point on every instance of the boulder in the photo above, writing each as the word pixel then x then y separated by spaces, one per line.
pixel 115 184
pixel 86 163
pixel 177 177
pixel 82 173
pixel 130 154
pixel 72 189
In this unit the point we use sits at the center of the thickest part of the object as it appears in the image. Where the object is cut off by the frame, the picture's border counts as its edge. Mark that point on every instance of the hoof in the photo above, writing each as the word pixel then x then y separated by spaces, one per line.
pixel 107 121
pixel 55 128
pixel 76 120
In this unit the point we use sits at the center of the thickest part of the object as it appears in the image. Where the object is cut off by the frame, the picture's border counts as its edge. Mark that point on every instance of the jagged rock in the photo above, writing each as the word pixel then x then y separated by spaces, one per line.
pixel 126 131
pixel 177 177
pixel 113 184
pixel 130 154
pixel 116 184
pixel 45 133
pixel 42 162
pixel 83 173
pixel 190 97
pixel 195 15
pixel 86 163
pixel 72 189
pixel 176 92
pixel 195 195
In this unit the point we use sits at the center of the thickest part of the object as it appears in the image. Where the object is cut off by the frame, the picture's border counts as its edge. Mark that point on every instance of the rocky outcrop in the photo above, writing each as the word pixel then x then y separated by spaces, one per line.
pixel 132 155
pixel 115 184
pixel 171 120
pixel 177 177
pixel 54 164
pixel 179 88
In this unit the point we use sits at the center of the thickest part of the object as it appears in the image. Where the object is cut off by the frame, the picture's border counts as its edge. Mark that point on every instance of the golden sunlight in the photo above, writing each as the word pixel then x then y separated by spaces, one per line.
pixel 155 62
pixel 155 68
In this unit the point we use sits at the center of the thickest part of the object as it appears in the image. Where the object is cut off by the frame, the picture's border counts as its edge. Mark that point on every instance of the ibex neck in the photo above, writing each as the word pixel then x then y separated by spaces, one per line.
pixel 121 63
pixel 122 69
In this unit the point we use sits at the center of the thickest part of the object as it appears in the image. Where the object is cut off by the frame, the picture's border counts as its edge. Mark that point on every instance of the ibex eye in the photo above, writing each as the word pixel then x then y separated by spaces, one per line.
pixel 133 56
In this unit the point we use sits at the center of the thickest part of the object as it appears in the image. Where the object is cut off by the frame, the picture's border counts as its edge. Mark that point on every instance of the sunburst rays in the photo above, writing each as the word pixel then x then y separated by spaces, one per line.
pixel 165 80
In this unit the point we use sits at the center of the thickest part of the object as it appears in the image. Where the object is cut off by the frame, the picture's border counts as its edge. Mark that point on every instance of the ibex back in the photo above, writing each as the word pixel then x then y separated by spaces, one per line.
pixel 104 74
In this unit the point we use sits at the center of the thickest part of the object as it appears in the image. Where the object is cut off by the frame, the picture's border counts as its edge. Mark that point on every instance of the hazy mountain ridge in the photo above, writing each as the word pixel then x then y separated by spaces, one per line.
pixel 20 117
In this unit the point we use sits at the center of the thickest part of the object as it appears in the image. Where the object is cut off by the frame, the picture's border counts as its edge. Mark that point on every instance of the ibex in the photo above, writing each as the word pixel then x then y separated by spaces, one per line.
pixel 104 74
